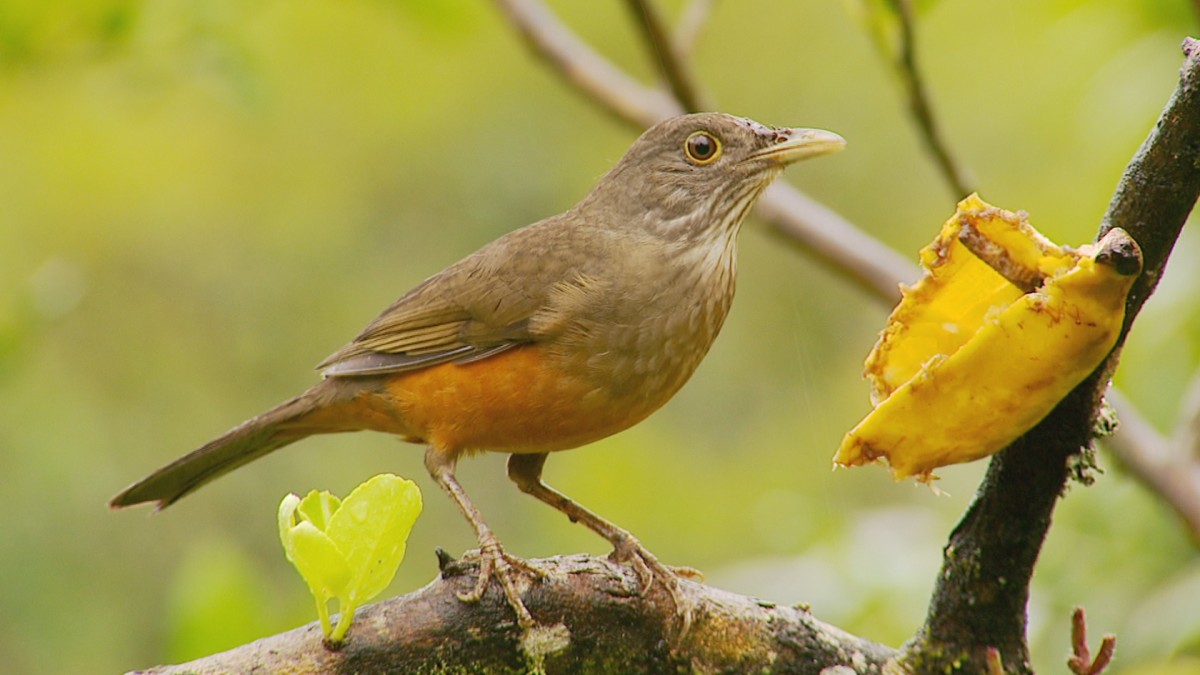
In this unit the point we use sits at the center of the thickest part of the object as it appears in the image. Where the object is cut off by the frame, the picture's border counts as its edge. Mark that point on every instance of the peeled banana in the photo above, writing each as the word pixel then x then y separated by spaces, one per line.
pixel 1002 326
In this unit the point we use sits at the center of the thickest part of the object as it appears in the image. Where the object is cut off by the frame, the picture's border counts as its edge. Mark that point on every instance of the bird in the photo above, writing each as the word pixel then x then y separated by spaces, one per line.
pixel 550 337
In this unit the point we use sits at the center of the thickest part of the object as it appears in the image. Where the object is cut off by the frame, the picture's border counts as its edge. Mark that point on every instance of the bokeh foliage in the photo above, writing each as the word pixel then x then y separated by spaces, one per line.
pixel 198 200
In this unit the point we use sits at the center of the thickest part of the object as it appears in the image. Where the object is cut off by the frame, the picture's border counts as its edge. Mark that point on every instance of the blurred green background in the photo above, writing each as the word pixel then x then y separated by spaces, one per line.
pixel 199 201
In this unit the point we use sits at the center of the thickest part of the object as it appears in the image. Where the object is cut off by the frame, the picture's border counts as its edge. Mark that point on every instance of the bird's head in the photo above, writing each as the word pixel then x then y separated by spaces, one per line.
pixel 694 175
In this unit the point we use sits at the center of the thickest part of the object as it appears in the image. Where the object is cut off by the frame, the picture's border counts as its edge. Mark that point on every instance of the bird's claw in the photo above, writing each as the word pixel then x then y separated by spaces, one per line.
pixel 495 562
pixel 648 569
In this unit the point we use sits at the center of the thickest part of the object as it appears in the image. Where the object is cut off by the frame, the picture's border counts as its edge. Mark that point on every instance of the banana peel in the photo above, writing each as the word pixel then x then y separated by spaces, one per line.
pixel 1003 325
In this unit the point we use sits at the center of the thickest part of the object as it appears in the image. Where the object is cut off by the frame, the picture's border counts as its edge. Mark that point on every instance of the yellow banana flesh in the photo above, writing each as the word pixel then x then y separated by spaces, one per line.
pixel 1003 325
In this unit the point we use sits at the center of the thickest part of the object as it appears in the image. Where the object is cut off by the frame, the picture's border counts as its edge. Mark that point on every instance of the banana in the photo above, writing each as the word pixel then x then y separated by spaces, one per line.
pixel 1002 326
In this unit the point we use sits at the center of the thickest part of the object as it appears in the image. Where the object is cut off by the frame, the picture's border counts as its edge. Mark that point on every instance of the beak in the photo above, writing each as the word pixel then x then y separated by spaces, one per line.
pixel 793 145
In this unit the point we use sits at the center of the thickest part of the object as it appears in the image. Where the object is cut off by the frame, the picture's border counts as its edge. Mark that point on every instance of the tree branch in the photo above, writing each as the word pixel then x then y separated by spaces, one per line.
pixel 608 628
pixel 982 590
pixel 1168 471
pixel 846 250
pixel 919 104
pixel 1186 437
pixel 691 25
pixel 675 69
pixel 585 69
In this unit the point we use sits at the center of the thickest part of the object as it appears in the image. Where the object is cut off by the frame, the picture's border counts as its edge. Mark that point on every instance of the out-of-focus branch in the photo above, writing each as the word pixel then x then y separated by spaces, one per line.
pixel 691 25
pixel 1186 437
pixel 846 250
pixel 799 219
pixel 583 68
pixel 675 68
pixel 898 46
pixel 1163 466
pixel 1168 468
pixel 918 102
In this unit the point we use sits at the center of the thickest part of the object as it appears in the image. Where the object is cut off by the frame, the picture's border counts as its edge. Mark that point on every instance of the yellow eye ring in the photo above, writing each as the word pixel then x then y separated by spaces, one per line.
pixel 702 148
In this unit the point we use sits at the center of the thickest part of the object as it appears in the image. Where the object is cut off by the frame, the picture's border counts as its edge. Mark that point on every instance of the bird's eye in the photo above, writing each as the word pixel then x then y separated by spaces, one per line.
pixel 702 148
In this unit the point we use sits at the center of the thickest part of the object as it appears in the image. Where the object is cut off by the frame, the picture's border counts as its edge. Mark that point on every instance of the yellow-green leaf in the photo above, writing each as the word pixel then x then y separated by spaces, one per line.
pixel 318 559
pixel 371 528
pixel 318 507
pixel 349 549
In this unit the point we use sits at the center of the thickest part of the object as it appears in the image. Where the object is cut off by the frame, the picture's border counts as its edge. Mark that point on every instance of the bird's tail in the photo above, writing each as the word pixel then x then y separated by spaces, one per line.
pixel 279 426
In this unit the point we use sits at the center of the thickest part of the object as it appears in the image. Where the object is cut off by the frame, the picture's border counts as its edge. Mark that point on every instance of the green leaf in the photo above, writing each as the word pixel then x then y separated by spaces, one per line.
pixel 319 561
pixel 315 556
pixel 287 518
pixel 371 528
pixel 349 549
pixel 318 507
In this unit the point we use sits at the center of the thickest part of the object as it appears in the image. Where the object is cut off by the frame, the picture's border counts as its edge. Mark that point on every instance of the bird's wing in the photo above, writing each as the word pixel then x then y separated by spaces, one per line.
pixel 485 304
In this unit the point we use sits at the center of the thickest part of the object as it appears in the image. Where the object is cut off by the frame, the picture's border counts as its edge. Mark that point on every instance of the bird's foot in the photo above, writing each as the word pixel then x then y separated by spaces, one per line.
pixel 494 561
pixel 649 570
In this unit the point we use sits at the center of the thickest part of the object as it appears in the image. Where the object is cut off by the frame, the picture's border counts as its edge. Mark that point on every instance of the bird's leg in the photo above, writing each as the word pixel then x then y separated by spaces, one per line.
pixel 526 471
pixel 494 561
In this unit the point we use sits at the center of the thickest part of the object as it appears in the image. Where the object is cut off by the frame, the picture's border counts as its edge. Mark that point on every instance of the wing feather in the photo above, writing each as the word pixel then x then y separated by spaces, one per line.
pixel 453 316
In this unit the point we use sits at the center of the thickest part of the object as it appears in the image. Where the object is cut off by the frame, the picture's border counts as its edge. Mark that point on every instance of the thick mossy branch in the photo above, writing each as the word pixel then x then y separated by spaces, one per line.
pixel 609 628
pixel 981 593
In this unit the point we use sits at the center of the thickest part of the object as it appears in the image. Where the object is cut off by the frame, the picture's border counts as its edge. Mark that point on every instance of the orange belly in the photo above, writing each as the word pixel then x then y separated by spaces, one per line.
pixel 515 401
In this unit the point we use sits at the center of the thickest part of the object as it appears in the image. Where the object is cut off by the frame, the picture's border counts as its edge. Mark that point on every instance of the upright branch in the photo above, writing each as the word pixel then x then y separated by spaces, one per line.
pixel 1158 189
pixel 983 587
pixel 1082 662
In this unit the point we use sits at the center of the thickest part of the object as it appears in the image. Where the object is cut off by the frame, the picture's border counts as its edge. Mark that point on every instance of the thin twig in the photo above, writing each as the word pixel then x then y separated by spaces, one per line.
pixel 1148 456
pixel 1081 661
pixel 675 69
pixel 691 25
pixel 860 258
pixel 922 110
pixel 994 662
